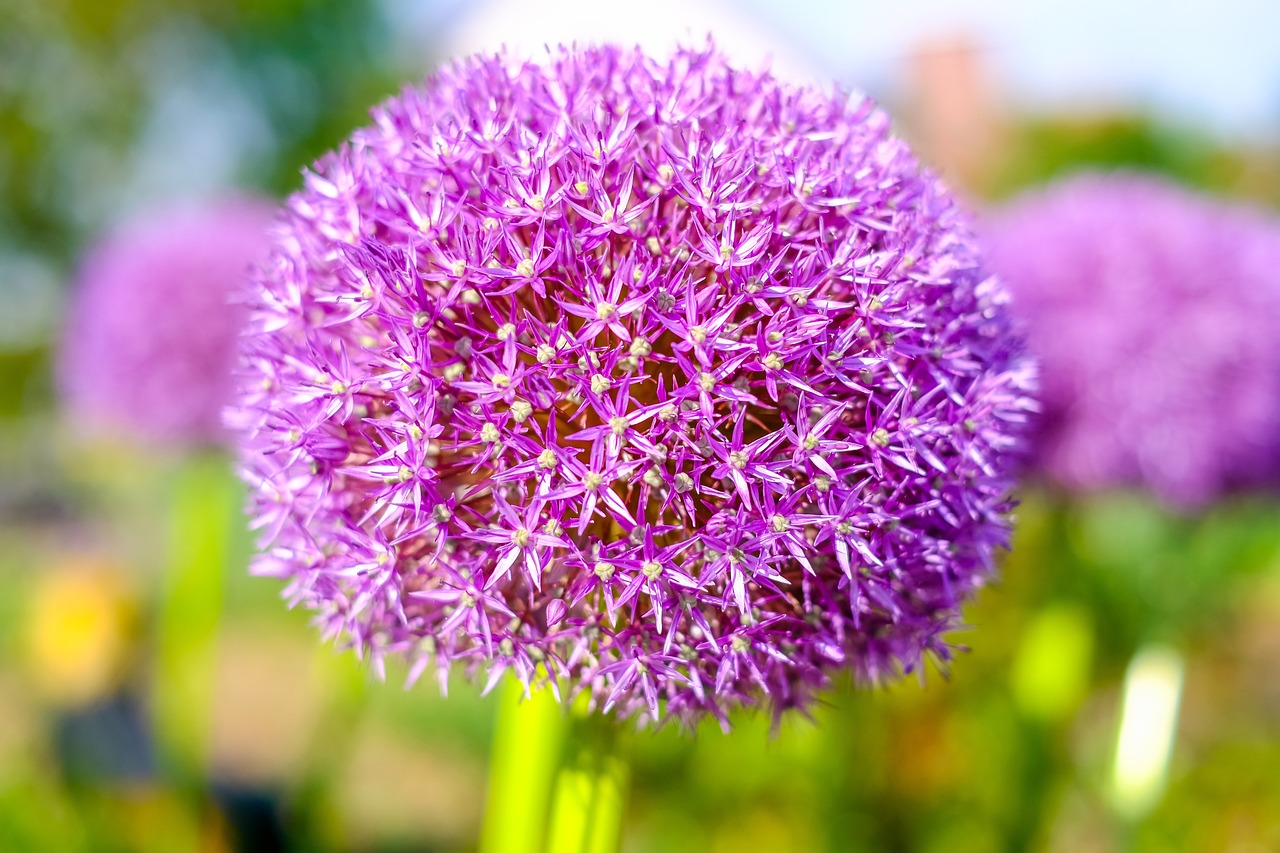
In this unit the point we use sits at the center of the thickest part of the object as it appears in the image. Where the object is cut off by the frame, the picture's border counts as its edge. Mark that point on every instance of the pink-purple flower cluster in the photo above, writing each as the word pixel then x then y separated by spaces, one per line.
pixel 677 383
pixel 149 345
pixel 1155 313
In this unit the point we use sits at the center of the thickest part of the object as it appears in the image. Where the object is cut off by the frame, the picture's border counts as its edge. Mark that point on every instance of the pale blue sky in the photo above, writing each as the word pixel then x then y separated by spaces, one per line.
pixel 1213 63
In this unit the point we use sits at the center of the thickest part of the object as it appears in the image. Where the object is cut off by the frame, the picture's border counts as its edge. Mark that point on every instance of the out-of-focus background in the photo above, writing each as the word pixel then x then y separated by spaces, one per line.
pixel 153 696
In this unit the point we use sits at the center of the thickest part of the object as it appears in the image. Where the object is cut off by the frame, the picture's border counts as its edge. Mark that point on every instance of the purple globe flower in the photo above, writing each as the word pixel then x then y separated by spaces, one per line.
pixel 149 348
pixel 680 384
pixel 1154 312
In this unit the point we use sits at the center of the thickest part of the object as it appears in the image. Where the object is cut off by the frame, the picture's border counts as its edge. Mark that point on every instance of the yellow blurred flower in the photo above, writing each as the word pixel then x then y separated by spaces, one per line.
pixel 79 630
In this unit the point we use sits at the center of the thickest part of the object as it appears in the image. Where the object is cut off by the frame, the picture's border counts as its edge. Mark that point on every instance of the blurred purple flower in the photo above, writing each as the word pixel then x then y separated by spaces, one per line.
pixel 149 346
pixel 684 383
pixel 1156 315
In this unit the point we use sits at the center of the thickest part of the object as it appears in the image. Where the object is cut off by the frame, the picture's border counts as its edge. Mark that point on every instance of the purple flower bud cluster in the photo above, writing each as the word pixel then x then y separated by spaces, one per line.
pixel 149 345
pixel 1155 313
pixel 674 382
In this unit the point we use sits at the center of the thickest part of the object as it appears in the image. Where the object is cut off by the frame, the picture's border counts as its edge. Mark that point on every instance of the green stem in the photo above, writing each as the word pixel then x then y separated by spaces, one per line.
pixel 590 791
pixel 343 682
pixel 526 751
pixel 204 507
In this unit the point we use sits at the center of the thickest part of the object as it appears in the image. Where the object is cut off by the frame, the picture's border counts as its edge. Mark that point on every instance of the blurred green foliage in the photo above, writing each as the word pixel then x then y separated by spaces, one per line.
pixel 1049 146
pixel 107 106
pixel 80 80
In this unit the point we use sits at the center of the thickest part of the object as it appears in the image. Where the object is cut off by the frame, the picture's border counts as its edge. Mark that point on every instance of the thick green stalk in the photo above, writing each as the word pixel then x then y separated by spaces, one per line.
pixel 591 789
pixel 527 749
pixel 342 681
pixel 204 507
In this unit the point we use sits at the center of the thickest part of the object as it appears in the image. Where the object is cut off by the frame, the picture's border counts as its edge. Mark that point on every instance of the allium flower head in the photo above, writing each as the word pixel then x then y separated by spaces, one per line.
pixel 682 383
pixel 1154 312
pixel 150 342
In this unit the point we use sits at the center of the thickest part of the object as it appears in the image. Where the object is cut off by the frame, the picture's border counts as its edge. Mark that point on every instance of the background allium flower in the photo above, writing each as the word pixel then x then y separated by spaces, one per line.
pixel 149 346
pixel 1156 315
pixel 680 381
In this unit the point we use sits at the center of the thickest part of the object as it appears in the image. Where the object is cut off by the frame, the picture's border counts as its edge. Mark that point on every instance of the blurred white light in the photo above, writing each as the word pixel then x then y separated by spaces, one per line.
pixel 658 26
pixel 1148 723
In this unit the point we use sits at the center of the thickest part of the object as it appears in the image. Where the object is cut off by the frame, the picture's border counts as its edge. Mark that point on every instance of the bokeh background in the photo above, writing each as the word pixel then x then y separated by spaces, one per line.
pixel 153 696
